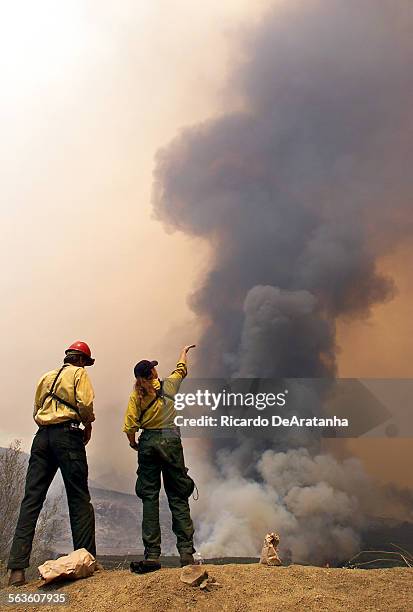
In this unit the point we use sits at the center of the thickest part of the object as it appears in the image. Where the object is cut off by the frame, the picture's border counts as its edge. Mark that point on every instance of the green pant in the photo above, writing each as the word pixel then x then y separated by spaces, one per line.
pixel 160 452
pixel 55 446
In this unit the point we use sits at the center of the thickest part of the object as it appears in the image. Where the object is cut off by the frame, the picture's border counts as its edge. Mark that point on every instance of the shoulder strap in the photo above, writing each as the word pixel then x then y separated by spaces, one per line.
pixel 160 394
pixel 55 380
pixel 63 401
pixel 50 393
pixel 53 395
pixel 163 394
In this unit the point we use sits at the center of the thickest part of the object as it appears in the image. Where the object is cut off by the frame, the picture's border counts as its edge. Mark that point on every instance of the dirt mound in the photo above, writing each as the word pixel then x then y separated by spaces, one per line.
pixel 243 588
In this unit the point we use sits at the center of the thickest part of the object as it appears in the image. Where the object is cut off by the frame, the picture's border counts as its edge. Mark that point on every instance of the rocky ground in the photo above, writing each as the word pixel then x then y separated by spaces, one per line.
pixel 242 588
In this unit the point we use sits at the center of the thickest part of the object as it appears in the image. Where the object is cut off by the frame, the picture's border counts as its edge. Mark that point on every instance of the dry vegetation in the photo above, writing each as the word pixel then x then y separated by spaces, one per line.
pixel 13 465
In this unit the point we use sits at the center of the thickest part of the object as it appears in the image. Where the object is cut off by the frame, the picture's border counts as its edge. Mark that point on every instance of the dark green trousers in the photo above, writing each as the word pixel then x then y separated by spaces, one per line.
pixel 55 446
pixel 160 452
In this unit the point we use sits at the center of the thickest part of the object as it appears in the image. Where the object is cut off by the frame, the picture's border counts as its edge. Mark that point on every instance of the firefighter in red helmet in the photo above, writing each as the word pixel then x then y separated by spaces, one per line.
pixel 63 401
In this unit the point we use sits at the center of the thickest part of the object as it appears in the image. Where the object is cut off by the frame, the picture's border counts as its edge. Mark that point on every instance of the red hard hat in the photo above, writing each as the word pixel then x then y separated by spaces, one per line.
pixel 83 348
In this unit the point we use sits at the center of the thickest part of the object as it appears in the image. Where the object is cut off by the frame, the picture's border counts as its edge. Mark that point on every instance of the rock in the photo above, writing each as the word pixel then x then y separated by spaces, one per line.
pixel 269 555
pixel 208 583
pixel 194 575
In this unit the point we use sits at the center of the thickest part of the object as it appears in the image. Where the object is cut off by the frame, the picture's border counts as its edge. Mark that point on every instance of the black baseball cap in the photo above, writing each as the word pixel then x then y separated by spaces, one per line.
pixel 143 368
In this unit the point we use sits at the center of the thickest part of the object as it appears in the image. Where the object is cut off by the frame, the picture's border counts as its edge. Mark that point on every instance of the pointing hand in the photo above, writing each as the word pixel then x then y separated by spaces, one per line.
pixel 188 347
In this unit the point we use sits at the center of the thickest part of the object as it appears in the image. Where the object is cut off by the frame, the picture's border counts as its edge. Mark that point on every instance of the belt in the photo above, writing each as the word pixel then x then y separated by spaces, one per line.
pixel 69 423
pixel 164 430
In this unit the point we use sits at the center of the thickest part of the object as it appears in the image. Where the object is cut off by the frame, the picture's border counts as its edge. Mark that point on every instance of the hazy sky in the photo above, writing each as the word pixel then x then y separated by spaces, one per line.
pixel 90 91
pixel 90 95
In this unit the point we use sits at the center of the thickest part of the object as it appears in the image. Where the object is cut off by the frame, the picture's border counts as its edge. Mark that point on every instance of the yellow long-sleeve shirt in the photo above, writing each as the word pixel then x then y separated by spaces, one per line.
pixel 73 386
pixel 162 413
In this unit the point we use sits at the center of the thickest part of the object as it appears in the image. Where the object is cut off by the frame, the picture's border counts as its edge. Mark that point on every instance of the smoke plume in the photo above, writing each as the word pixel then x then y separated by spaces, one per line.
pixel 298 194
pixel 313 502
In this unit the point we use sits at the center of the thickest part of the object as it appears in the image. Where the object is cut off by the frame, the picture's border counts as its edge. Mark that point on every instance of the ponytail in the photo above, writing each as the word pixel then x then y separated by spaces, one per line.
pixel 144 387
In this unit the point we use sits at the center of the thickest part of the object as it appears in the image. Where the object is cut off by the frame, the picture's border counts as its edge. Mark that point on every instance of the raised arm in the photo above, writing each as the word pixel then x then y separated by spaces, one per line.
pixel 184 352
pixel 173 382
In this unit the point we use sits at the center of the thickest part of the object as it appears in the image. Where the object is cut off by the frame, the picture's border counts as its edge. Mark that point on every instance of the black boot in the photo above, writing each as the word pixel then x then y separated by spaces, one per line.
pixel 146 566
pixel 187 559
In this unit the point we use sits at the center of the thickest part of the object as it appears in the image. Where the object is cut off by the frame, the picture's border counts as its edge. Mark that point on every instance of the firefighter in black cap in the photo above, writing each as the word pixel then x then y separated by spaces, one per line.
pixel 151 408
pixel 64 400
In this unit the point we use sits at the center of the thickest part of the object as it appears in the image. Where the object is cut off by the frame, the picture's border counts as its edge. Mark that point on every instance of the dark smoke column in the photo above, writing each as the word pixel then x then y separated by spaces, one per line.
pixel 301 193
